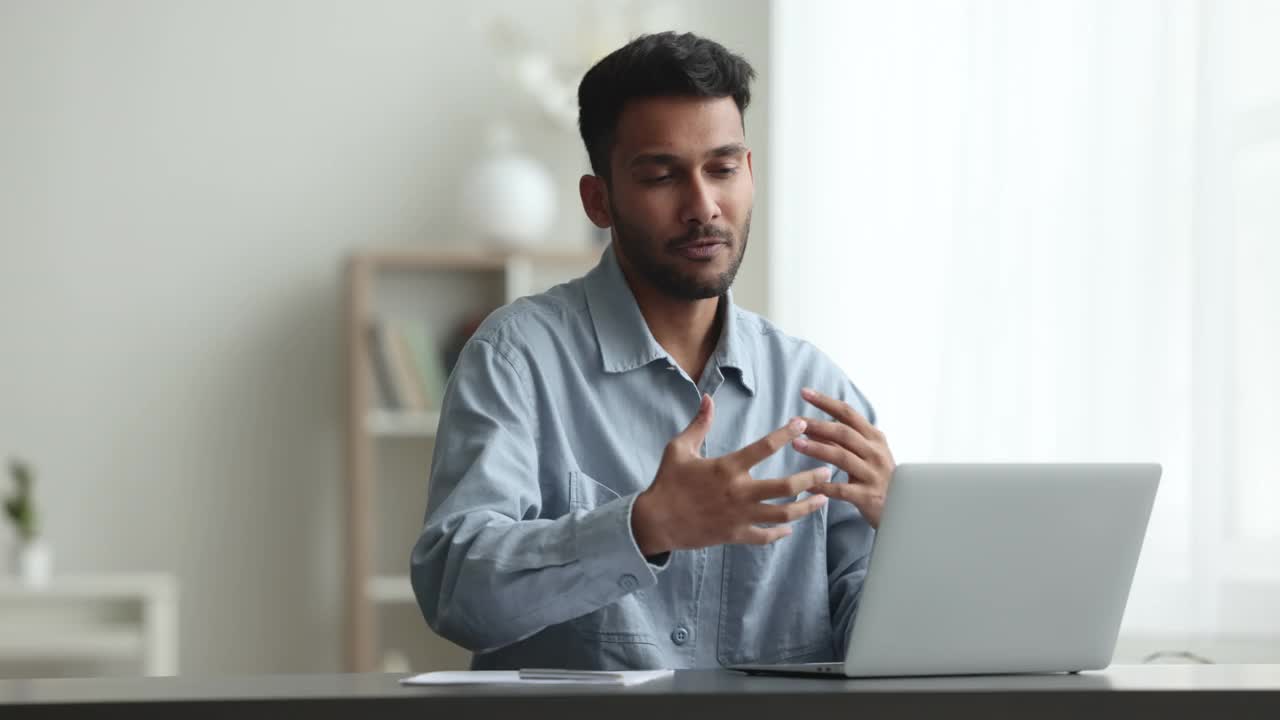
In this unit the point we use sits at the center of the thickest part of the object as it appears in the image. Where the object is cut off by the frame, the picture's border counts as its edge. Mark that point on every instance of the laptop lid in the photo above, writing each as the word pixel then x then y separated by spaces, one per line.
pixel 1001 568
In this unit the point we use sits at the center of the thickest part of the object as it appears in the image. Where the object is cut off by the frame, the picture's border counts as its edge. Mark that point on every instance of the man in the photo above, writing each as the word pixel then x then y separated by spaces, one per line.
pixel 577 517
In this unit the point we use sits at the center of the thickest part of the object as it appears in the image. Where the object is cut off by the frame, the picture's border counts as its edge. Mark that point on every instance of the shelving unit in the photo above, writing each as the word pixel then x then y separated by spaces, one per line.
pixel 440 288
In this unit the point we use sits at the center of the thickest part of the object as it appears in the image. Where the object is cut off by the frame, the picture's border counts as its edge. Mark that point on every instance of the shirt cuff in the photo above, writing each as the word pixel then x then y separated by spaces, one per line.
pixel 607 539
pixel 658 562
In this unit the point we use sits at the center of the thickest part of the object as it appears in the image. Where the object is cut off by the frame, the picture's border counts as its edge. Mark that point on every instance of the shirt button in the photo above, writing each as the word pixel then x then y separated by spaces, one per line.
pixel 680 635
pixel 628 582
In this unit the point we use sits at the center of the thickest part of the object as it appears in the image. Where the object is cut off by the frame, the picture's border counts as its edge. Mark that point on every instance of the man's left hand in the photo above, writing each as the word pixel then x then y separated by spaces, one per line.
pixel 854 445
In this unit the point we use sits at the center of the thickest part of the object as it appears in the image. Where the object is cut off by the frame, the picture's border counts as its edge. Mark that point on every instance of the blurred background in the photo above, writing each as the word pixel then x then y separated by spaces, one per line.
pixel 240 240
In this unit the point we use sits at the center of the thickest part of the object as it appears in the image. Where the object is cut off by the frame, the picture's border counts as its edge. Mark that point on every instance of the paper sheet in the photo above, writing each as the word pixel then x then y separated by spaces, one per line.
pixel 536 677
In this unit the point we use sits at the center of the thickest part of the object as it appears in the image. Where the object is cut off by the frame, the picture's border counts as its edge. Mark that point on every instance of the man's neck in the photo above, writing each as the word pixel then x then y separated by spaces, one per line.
pixel 687 329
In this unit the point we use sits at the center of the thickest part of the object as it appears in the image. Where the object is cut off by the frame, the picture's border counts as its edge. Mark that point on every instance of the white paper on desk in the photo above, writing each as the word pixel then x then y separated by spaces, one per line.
pixel 541 677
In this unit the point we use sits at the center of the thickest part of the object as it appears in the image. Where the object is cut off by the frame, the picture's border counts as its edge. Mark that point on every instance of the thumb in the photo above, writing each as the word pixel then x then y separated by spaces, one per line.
pixel 701 424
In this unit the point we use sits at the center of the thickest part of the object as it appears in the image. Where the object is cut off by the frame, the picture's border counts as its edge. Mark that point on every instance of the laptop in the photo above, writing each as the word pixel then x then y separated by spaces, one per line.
pixel 996 568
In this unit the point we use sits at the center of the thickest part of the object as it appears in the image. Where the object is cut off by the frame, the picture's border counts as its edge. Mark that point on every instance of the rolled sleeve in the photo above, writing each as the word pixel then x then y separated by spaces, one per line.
pixel 487 569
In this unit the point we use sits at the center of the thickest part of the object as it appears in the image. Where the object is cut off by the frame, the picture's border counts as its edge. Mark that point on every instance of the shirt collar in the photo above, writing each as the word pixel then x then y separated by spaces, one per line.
pixel 624 337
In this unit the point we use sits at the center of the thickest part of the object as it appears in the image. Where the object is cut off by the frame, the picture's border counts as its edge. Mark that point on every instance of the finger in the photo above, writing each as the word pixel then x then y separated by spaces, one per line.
pixel 855 467
pixel 839 410
pixel 837 433
pixel 762 536
pixel 693 435
pixel 751 455
pixel 848 492
pixel 788 512
pixel 790 486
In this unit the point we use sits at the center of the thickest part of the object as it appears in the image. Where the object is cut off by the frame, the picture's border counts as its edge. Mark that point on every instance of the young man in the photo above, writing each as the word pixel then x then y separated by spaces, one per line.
pixel 577 518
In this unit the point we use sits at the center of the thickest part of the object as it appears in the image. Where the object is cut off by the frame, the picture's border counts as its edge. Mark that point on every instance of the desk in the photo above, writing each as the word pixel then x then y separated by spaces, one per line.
pixel 1147 691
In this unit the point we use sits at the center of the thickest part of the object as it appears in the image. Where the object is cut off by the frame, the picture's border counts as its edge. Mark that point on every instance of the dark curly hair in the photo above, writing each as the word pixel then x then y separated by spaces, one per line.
pixel 658 65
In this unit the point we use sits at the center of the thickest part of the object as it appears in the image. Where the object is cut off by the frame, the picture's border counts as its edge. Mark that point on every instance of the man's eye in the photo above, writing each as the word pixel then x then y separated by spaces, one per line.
pixel 657 180
pixel 724 171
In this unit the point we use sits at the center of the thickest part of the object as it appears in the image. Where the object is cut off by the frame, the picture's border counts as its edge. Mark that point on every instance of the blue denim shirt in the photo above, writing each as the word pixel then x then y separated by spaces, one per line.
pixel 554 419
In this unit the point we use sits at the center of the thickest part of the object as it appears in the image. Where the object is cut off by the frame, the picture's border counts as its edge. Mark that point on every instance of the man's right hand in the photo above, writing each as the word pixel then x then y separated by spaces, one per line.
pixel 697 502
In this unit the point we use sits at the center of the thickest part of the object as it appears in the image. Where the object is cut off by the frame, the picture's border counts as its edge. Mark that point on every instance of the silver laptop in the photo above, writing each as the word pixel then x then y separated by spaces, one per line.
pixel 997 568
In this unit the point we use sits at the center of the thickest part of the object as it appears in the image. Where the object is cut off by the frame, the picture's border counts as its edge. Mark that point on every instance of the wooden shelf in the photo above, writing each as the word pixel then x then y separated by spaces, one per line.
pixel 399 423
pixel 387 589
pixel 497 259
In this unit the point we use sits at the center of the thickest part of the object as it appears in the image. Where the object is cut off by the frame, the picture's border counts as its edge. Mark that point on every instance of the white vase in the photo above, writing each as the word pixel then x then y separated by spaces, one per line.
pixel 33 562
pixel 508 197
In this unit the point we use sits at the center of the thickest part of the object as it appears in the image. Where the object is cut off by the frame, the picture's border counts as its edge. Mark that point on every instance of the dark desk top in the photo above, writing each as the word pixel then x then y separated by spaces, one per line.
pixel 1169 690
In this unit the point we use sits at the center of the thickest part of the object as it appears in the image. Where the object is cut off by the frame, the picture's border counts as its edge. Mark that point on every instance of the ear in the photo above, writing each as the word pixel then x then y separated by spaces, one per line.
pixel 595 200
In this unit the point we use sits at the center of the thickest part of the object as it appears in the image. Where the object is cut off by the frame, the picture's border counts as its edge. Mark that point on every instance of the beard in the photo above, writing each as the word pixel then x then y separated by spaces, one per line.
pixel 646 255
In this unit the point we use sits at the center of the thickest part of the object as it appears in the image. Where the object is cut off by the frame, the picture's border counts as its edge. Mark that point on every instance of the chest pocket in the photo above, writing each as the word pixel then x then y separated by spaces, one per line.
pixel 587 494
pixel 774 599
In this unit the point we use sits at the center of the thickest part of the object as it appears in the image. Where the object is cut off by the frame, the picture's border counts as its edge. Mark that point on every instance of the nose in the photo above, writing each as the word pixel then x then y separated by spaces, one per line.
pixel 699 205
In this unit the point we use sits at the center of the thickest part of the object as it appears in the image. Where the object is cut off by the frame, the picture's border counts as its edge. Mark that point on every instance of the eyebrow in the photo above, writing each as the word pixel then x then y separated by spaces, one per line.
pixel 668 159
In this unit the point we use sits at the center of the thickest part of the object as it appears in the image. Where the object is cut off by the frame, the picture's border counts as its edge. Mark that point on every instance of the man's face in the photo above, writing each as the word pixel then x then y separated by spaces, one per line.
pixel 681 194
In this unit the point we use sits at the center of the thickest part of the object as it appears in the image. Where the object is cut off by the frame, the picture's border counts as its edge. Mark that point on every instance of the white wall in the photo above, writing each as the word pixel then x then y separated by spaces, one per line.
pixel 179 182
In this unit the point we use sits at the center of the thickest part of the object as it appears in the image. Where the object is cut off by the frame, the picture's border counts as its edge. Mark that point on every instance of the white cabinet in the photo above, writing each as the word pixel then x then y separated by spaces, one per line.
pixel 79 620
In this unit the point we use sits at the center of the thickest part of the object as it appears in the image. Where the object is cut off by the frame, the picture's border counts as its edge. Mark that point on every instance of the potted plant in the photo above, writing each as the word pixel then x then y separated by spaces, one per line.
pixel 32 559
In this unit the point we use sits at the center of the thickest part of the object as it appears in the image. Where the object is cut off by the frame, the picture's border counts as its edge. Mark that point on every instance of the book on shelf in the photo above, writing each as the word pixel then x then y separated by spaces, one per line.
pixel 427 362
pixel 379 350
pixel 413 395
pixel 406 366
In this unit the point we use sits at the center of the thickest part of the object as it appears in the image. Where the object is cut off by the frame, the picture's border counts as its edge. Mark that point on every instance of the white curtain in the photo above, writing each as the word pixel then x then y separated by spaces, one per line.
pixel 1048 230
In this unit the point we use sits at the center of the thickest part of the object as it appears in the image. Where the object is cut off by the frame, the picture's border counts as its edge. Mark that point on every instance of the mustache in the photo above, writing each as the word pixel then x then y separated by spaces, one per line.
pixel 701 232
